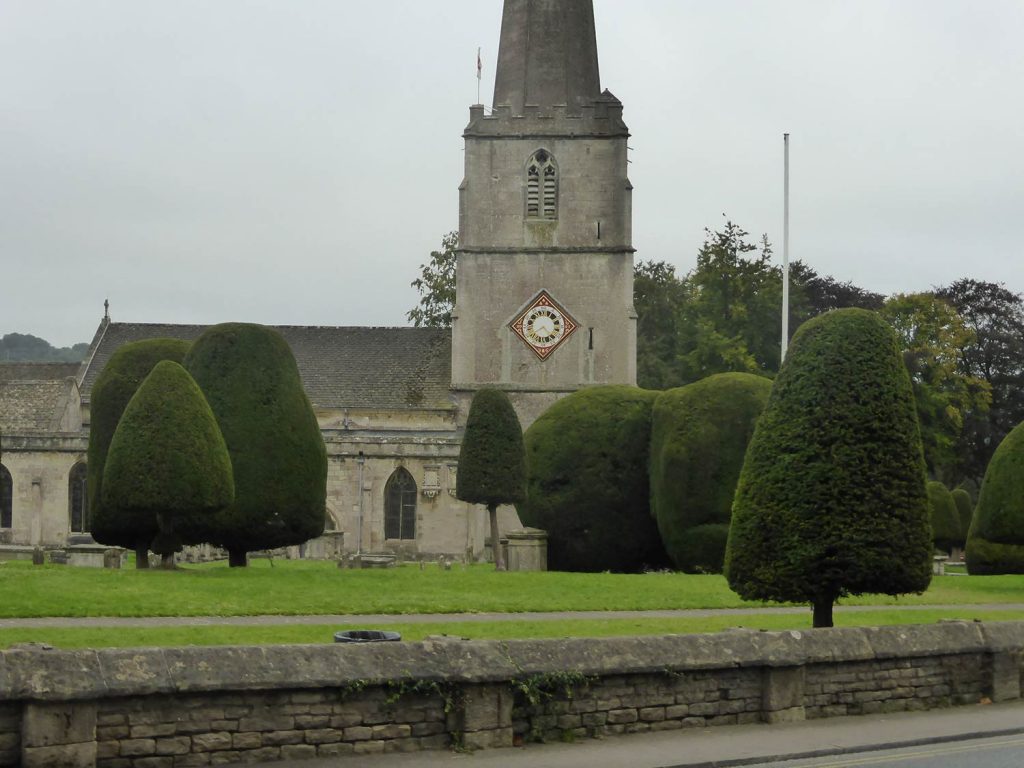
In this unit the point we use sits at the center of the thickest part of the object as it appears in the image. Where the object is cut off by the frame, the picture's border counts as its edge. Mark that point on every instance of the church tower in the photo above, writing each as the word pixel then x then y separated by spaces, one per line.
pixel 544 277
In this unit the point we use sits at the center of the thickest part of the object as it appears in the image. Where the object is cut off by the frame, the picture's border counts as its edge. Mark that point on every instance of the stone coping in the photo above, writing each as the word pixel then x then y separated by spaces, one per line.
pixel 40 674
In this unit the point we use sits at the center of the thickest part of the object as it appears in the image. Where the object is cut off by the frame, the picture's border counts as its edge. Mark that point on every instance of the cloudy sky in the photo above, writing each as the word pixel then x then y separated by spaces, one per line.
pixel 294 162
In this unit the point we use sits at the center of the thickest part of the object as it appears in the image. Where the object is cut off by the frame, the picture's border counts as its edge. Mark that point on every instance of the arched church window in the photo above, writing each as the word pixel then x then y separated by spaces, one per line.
pixel 6 498
pixel 78 499
pixel 541 186
pixel 400 506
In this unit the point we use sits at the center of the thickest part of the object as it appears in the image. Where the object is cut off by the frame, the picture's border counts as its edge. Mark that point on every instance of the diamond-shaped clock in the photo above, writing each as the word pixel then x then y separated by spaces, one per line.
pixel 544 326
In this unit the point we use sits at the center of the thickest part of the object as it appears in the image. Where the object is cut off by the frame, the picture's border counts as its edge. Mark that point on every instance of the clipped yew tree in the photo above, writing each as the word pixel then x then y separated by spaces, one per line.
pixel 831 500
pixel 249 377
pixel 995 543
pixel 699 435
pixel 964 511
pixel 168 464
pixel 586 481
pixel 126 369
pixel 944 517
pixel 492 462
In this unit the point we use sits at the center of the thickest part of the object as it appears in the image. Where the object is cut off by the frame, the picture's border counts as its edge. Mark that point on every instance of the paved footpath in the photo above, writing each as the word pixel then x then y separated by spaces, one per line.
pixel 721 746
pixel 456 618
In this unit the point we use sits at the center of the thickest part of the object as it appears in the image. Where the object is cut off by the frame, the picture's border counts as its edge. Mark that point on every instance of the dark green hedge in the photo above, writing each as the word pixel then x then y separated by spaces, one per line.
pixel 699 436
pixel 944 517
pixel 114 387
pixel 251 381
pixel 964 510
pixel 995 543
pixel 492 461
pixel 587 486
pixel 831 500
pixel 167 461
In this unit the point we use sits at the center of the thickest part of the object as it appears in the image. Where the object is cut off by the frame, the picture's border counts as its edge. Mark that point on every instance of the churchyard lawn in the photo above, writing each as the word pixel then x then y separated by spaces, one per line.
pixel 319 588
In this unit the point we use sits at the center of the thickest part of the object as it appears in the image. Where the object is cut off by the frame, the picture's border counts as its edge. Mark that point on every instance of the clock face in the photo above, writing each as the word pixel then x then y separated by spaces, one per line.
pixel 544 325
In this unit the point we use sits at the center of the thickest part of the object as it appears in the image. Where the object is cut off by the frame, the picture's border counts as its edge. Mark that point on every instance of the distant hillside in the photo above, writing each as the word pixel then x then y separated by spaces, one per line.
pixel 26 348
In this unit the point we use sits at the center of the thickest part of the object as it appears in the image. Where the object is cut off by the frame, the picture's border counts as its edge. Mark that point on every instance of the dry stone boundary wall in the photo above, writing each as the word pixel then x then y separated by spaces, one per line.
pixel 171 707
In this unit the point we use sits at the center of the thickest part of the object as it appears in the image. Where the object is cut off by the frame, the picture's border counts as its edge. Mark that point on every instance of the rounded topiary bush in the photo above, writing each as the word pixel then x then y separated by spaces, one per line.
pixel 995 543
pixel 167 464
pixel 964 510
pixel 124 372
pixel 587 486
pixel 831 500
pixel 699 435
pixel 249 377
pixel 944 518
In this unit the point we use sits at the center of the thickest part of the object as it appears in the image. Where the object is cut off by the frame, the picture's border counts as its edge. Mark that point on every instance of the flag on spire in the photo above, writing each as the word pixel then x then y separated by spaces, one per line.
pixel 479 65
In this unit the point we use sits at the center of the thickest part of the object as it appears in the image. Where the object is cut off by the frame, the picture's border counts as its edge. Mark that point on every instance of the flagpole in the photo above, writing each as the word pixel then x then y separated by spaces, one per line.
pixel 479 74
pixel 785 248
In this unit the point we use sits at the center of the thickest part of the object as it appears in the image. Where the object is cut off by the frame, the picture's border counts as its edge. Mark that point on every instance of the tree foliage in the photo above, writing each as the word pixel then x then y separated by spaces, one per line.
pixel 995 354
pixel 492 460
pixel 945 519
pixel 167 466
pixel 436 287
pixel 26 348
pixel 964 512
pixel 831 500
pixel 587 486
pixel 699 436
pixel 115 386
pixel 931 335
pixel 995 543
pixel 249 377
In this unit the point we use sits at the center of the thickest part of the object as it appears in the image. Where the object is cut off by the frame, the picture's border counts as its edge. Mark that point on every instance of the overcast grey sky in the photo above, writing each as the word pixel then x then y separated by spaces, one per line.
pixel 294 162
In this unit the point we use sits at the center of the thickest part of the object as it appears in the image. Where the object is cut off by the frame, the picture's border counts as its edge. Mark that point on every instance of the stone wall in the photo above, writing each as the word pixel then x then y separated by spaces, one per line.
pixel 173 707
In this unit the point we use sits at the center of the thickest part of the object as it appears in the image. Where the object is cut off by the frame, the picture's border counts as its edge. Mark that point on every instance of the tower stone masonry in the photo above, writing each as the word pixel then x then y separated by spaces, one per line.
pixel 544 277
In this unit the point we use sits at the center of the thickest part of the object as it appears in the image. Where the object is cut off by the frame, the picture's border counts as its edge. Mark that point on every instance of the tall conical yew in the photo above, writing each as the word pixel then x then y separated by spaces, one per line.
pixel 118 381
pixel 252 383
pixel 167 461
pixel 492 462
pixel 831 500
pixel 944 517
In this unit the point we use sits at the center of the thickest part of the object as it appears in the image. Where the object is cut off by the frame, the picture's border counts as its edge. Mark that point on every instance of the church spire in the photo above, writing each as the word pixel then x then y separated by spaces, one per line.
pixel 547 56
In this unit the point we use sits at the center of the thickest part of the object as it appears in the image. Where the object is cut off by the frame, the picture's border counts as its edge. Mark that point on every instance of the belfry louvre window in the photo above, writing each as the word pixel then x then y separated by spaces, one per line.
pixel 400 506
pixel 541 186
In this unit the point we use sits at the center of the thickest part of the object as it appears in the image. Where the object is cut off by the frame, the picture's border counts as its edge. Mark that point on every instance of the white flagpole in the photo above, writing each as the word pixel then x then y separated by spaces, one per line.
pixel 785 249
pixel 479 73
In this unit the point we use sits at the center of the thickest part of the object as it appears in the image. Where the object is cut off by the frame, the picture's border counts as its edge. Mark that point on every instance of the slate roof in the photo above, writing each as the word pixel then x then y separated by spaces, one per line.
pixel 37 371
pixel 341 367
pixel 32 406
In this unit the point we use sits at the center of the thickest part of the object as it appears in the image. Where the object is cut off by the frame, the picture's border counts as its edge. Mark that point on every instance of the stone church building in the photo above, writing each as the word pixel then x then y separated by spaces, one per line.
pixel 544 307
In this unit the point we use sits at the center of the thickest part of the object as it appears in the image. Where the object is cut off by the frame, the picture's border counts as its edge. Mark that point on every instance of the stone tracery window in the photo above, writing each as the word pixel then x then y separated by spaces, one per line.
pixel 541 186
pixel 6 498
pixel 400 506
pixel 78 499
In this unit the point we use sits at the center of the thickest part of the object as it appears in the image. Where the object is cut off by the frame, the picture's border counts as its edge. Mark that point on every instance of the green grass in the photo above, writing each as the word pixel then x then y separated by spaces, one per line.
pixel 319 588
pixel 323 633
